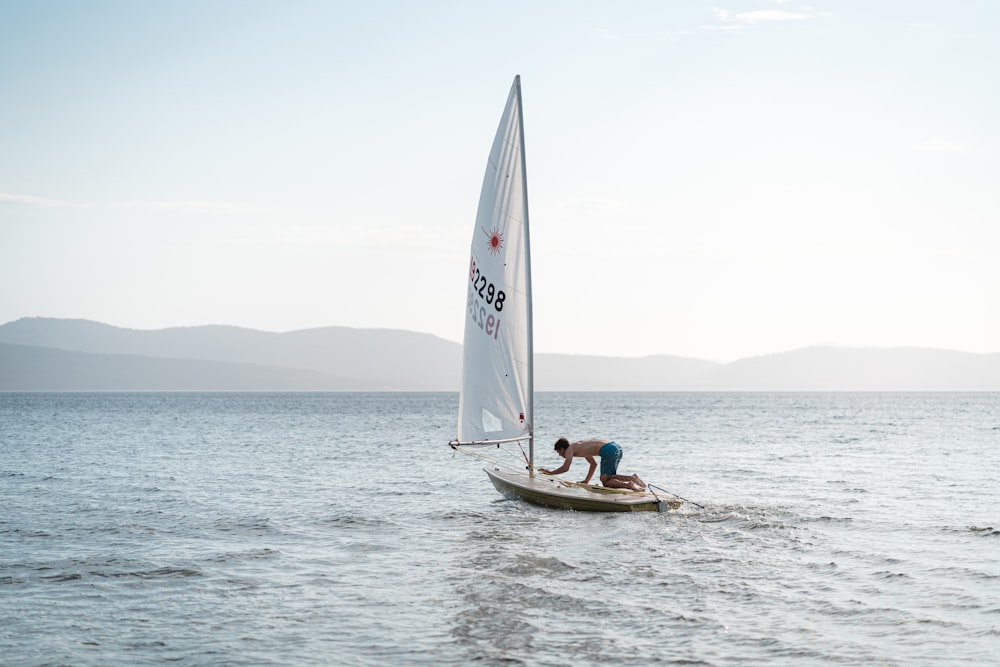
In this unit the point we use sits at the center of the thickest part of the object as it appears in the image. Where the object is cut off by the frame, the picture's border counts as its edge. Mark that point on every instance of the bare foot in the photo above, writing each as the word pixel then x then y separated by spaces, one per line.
pixel 639 483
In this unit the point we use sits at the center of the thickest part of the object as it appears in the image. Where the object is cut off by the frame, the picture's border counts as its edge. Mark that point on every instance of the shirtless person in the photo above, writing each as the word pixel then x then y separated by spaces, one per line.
pixel 611 456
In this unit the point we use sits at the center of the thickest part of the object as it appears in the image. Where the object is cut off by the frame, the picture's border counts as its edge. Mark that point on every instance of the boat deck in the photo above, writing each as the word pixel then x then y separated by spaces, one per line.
pixel 554 492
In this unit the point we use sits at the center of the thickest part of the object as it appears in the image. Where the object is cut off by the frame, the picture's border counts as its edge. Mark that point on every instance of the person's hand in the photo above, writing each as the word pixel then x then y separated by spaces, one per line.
pixel 544 471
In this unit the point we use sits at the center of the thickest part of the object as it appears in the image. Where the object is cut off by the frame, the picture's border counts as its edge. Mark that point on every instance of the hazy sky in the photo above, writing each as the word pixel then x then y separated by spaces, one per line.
pixel 711 179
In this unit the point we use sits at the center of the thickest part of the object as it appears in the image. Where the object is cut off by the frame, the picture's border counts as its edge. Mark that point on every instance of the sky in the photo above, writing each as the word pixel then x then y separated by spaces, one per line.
pixel 716 179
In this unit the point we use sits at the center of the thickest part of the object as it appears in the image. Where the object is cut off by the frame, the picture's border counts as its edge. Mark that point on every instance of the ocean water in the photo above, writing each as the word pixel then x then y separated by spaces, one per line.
pixel 339 529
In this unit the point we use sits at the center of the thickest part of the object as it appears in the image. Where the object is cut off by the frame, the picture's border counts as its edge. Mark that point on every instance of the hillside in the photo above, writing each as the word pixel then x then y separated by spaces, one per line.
pixel 57 355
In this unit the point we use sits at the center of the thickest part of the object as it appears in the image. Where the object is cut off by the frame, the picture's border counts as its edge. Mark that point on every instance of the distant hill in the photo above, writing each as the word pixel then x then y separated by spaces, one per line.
pixel 374 358
pixel 859 369
pixel 567 372
pixel 61 355
pixel 27 368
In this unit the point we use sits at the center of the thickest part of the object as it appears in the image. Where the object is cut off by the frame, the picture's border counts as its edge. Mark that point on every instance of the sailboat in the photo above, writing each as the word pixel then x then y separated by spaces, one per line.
pixel 496 407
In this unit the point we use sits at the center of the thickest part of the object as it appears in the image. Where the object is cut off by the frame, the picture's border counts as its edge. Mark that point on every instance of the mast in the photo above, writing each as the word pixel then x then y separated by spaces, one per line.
pixel 527 260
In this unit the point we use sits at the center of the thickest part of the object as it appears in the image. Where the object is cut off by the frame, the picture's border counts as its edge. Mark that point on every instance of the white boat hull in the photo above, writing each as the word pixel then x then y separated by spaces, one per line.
pixel 553 492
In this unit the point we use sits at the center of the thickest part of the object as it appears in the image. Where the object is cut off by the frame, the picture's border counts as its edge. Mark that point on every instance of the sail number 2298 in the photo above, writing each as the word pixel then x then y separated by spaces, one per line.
pixel 484 297
pixel 485 289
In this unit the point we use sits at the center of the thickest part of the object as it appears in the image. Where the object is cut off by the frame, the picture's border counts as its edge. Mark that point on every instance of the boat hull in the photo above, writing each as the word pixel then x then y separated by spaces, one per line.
pixel 553 492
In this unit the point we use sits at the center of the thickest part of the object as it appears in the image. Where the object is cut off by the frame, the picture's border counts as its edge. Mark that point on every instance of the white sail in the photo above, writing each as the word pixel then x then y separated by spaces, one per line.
pixel 497 383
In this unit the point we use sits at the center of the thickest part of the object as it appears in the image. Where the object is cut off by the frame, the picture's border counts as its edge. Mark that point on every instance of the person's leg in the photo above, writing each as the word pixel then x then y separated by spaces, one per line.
pixel 621 482
pixel 611 456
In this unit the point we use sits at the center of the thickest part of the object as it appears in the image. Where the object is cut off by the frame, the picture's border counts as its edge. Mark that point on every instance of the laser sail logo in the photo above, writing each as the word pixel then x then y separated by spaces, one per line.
pixel 495 240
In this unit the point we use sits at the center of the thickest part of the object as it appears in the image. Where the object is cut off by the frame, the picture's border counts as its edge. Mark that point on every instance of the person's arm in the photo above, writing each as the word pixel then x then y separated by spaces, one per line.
pixel 590 473
pixel 566 464
pixel 561 469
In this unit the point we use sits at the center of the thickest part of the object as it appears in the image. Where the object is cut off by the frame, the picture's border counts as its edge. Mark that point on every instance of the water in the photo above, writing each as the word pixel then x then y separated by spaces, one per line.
pixel 321 529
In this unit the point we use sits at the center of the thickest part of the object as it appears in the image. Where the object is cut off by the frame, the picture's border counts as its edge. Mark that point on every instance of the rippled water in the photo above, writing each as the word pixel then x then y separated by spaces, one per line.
pixel 299 529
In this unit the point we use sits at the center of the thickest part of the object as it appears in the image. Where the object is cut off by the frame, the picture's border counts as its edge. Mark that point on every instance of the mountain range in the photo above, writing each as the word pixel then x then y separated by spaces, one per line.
pixel 48 354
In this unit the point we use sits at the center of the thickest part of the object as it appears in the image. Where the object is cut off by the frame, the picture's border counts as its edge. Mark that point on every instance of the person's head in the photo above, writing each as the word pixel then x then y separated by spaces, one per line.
pixel 562 444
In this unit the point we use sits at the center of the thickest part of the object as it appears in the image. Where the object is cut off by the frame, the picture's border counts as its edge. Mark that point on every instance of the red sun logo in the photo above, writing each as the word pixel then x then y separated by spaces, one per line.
pixel 496 241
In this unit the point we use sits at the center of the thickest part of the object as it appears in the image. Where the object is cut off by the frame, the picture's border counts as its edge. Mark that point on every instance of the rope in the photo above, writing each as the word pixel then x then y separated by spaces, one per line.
pixel 653 486
pixel 494 461
pixel 592 487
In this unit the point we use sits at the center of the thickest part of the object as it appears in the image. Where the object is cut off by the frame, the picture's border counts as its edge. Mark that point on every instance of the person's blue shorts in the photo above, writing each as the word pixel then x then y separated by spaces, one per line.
pixel 611 456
